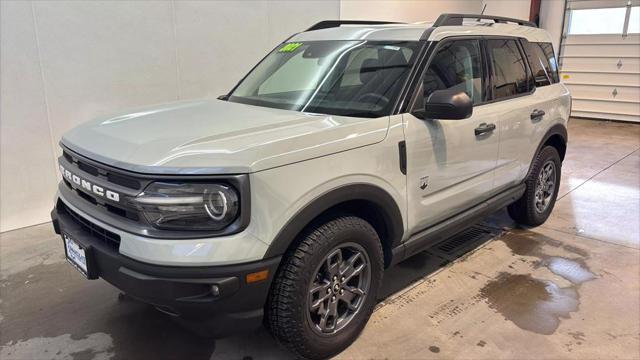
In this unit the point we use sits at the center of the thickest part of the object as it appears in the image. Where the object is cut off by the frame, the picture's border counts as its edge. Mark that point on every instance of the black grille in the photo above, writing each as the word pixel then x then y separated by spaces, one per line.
pixel 105 173
pixel 106 236
pixel 81 166
pixel 67 156
pixel 111 208
pixel 89 198
pixel 88 168
pixel 124 181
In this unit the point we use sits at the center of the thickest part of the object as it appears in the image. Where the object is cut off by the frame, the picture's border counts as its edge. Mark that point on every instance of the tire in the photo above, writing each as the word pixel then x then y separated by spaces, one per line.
pixel 312 265
pixel 530 209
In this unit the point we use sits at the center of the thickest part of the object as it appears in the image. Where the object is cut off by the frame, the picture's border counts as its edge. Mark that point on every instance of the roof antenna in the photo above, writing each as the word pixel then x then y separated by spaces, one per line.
pixel 482 12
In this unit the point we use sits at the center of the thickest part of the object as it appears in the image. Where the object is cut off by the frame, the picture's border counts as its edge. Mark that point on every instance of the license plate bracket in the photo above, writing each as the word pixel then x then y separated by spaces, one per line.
pixel 79 256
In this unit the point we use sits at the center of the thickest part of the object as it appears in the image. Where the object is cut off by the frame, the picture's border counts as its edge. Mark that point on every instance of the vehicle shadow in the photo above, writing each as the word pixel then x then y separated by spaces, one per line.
pixel 424 264
pixel 167 339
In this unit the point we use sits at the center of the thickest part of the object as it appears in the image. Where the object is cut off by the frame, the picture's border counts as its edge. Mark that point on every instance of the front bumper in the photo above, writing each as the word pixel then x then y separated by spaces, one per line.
pixel 184 292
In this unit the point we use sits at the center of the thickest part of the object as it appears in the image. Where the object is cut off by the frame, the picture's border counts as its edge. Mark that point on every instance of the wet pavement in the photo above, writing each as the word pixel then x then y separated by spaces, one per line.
pixel 567 289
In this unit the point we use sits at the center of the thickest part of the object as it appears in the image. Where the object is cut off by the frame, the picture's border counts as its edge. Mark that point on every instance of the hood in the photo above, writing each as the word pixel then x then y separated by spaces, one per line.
pixel 217 137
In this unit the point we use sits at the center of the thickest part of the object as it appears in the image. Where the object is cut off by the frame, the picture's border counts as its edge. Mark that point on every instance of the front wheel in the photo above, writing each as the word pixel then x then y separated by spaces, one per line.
pixel 325 290
pixel 543 182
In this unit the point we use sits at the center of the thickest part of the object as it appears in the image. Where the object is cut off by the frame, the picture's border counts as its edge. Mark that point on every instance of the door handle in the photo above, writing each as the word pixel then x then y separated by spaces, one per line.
pixel 485 128
pixel 537 114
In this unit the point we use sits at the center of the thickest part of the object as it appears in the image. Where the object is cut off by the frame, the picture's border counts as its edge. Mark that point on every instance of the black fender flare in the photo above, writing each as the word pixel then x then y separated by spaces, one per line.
pixel 385 203
pixel 557 129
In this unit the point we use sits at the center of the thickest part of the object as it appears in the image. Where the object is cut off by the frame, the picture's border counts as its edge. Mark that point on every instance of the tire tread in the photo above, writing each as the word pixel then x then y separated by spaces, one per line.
pixel 523 210
pixel 284 303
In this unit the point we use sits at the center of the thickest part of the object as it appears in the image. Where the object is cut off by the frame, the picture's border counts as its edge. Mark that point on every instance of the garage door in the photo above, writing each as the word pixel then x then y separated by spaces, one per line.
pixel 600 58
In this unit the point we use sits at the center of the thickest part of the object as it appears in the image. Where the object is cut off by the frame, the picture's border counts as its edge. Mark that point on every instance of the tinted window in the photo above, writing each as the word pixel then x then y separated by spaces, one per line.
pixel 456 65
pixel 509 69
pixel 547 48
pixel 351 78
pixel 539 64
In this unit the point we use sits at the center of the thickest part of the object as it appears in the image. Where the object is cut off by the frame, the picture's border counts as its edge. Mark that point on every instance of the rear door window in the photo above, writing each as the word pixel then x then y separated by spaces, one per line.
pixel 509 70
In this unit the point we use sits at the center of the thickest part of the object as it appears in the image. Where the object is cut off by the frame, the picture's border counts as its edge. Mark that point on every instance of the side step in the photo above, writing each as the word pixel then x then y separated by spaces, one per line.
pixel 442 231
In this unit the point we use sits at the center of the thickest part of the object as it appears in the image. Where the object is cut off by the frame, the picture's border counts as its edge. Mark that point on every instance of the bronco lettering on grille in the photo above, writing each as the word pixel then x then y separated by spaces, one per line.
pixel 93 188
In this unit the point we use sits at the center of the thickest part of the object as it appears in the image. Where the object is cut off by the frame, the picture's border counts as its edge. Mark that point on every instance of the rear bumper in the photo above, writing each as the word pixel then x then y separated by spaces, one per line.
pixel 184 292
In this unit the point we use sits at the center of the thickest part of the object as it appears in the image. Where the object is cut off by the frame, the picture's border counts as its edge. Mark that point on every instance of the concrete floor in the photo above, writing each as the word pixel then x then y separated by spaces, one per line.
pixel 568 289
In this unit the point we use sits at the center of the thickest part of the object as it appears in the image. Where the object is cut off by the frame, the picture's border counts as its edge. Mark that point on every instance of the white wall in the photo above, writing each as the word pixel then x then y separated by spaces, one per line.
pixel 405 10
pixel 429 10
pixel 551 15
pixel 63 63
pixel 518 9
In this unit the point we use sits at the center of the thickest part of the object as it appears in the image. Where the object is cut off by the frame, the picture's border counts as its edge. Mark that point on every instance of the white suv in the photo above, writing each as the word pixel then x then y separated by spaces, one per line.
pixel 351 146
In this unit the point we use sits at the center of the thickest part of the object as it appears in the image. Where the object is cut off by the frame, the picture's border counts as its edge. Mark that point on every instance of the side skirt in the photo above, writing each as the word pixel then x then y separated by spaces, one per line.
pixel 447 228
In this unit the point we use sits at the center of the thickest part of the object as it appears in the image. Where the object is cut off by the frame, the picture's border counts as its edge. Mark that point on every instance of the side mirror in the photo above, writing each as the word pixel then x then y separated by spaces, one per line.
pixel 447 104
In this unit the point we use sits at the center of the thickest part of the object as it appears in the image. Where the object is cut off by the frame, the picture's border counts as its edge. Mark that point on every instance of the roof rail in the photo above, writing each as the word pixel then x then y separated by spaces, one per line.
pixel 336 23
pixel 457 19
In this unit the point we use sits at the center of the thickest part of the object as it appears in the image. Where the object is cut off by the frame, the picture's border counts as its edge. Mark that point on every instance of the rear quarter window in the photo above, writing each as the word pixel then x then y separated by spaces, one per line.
pixel 542 62
pixel 547 48
pixel 539 64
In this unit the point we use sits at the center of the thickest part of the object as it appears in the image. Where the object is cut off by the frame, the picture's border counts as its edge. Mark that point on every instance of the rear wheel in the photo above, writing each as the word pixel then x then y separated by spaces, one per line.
pixel 536 204
pixel 325 290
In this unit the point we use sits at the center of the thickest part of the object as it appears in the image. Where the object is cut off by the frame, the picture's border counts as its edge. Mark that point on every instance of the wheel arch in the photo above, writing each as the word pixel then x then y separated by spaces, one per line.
pixel 557 137
pixel 372 203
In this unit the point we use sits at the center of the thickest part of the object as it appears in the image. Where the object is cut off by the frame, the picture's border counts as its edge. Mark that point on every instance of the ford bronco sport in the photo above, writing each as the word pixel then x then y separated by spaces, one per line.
pixel 350 147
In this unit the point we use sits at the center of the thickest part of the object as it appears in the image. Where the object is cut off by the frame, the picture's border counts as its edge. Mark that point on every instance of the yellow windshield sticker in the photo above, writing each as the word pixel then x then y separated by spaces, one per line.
pixel 290 47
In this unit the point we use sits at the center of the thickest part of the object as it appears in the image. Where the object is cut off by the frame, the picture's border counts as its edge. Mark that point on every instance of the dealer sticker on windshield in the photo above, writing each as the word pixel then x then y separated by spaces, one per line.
pixel 290 47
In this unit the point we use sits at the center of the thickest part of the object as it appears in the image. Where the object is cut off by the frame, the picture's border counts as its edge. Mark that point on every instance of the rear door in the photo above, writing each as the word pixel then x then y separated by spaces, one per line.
pixel 449 166
pixel 520 111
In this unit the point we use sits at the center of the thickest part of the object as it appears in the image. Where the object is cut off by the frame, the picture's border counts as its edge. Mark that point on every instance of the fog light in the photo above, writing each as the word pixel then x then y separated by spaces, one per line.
pixel 215 290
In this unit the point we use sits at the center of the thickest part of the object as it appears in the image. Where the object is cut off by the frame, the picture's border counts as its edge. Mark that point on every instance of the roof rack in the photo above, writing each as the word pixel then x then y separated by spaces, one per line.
pixel 336 23
pixel 457 19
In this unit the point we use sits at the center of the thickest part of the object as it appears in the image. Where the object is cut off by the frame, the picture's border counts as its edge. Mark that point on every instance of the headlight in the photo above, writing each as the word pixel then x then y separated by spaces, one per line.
pixel 188 206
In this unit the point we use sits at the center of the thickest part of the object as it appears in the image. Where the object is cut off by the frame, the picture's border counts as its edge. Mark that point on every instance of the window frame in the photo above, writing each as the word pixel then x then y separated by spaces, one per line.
pixel 432 52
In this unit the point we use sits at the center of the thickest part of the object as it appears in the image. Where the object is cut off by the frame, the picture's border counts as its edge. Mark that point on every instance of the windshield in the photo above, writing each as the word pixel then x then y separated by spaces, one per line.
pixel 349 78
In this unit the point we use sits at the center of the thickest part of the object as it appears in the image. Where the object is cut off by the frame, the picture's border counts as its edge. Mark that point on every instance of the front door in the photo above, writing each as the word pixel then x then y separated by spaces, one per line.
pixel 450 163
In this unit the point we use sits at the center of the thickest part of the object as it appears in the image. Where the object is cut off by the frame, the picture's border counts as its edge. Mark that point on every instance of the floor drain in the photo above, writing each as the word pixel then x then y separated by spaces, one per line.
pixel 465 241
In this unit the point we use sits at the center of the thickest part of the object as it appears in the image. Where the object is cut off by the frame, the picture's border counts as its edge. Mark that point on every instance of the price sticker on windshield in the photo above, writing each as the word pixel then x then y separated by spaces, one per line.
pixel 290 47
